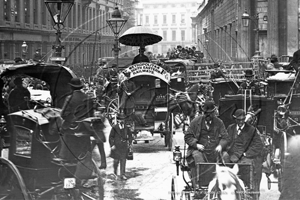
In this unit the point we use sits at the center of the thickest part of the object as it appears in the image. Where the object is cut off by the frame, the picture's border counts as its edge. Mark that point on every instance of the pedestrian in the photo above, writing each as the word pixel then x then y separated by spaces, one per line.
pixel 244 146
pixel 249 84
pixel 120 139
pixel 18 97
pixel 141 57
pixel 206 137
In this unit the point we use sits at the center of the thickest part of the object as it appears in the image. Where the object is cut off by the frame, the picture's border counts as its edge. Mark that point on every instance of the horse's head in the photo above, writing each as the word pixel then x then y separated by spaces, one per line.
pixel 226 184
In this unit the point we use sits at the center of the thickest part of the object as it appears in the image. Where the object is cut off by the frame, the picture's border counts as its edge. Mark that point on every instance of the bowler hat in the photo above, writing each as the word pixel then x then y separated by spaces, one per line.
pixel 209 106
pixel 248 73
pixel 239 114
pixel 76 83
pixel 121 116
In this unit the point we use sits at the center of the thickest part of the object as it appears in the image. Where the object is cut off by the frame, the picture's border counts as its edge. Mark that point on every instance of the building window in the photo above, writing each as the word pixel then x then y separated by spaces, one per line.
pixel 17 11
pixel 165 19
pixel 182 35
pixel 155 19
pixel 44 18
pixel 182 18
pixel 165 35
pixel 27 11
pixel 147 19
pixel 78 17
pixel 6 10
pixel 35 12
pixel 173 35
pixel 173 19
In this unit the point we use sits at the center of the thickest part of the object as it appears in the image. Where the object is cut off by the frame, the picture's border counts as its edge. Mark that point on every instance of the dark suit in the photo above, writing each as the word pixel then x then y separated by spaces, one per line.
pixel 77 106
pixel 252 85
pixel 120 138
pixel 197 133
pixel 140 58
pixel 248 141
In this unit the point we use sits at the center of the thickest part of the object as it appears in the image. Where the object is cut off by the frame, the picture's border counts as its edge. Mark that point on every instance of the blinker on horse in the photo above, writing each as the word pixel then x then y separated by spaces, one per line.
pixel 226 184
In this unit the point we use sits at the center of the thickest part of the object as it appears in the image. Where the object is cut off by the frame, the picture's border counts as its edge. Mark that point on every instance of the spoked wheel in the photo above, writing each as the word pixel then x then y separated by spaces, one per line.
pixel 283 154
pixel 112 110
pixel 12 185
pixel 174 189
pixel 169 132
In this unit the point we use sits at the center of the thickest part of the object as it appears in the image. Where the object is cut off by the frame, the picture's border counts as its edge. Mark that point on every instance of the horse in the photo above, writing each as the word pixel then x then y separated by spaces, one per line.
pixel 226 185
pixel 188 103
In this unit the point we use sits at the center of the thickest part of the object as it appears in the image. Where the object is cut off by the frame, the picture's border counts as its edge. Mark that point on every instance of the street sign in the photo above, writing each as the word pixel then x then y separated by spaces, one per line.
pixel 60 59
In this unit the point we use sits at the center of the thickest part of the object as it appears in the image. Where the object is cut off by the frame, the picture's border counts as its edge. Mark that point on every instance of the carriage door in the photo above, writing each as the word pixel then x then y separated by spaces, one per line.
pixel 160 103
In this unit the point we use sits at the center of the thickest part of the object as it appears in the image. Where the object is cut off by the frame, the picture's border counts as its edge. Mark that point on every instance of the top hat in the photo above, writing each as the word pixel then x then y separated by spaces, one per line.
pixel 239 114
pixel 248 73
pixel 121 116
pixel 209 106
pixel 76 83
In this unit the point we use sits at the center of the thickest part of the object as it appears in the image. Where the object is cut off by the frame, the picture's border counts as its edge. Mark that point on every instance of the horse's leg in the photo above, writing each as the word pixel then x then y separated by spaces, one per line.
pixel 102 155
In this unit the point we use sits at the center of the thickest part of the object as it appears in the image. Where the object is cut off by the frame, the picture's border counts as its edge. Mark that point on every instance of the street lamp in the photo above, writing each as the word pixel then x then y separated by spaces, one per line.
pixel 58 9
pixel 116 23
pixel 245 20
pixel 24 50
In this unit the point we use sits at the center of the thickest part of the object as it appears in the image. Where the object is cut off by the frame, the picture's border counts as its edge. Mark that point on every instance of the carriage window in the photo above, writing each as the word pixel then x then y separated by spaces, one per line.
pixel 23 140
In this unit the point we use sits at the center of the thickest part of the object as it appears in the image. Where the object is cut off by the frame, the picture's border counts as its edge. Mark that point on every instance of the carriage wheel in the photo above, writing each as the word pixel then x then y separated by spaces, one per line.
pixel 169 132
pixel 112 110
pixel 12 185
pixel 283 153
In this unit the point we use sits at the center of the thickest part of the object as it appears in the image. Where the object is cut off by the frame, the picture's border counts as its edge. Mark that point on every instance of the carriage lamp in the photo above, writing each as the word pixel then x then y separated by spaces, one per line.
pixel 177 157
pixel 246 18
pixel 24 50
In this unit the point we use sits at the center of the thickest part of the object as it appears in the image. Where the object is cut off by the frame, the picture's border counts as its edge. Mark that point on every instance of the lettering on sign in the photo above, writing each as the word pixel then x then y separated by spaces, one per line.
pixel 148 69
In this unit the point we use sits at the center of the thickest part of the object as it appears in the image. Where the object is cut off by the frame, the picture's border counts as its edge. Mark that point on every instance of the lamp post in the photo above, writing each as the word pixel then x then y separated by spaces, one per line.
pixel 24 50
pixel 245 20
pixel 58 9
pixel 116 23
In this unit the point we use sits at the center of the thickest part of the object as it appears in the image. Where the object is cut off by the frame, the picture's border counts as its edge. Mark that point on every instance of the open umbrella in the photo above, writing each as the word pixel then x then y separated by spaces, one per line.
pixel 139 36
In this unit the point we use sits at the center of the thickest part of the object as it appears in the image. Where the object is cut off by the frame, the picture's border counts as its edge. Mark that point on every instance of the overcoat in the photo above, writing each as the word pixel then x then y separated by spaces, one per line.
pixel 247 141
pixel 195 135
pixel 121 138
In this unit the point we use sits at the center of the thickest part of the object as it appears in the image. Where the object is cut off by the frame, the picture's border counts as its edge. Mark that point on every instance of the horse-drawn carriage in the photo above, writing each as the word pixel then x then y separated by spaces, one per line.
pixel 33 169
pixel 214 181
pixel 275 114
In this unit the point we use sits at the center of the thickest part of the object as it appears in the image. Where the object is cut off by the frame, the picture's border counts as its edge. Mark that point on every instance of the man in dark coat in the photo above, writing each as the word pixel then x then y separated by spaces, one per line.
pixel 206 138
pixel 77 106
pixel 120 138
pixel 141 57
pixel 249 84
pixel 18 97
pixel 295 62
pixel 245 146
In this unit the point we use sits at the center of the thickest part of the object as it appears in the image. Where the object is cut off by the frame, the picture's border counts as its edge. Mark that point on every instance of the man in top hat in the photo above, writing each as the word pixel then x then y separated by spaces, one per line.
pixel 244 146
pixel 120 138
pixel 141 57
pixel 206 138
pixel 249 84
pixel 77 106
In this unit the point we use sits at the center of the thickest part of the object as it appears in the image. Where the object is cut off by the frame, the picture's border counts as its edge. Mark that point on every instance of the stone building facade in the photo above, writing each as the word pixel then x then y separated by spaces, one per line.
pixel 273 29
pixel 29 21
